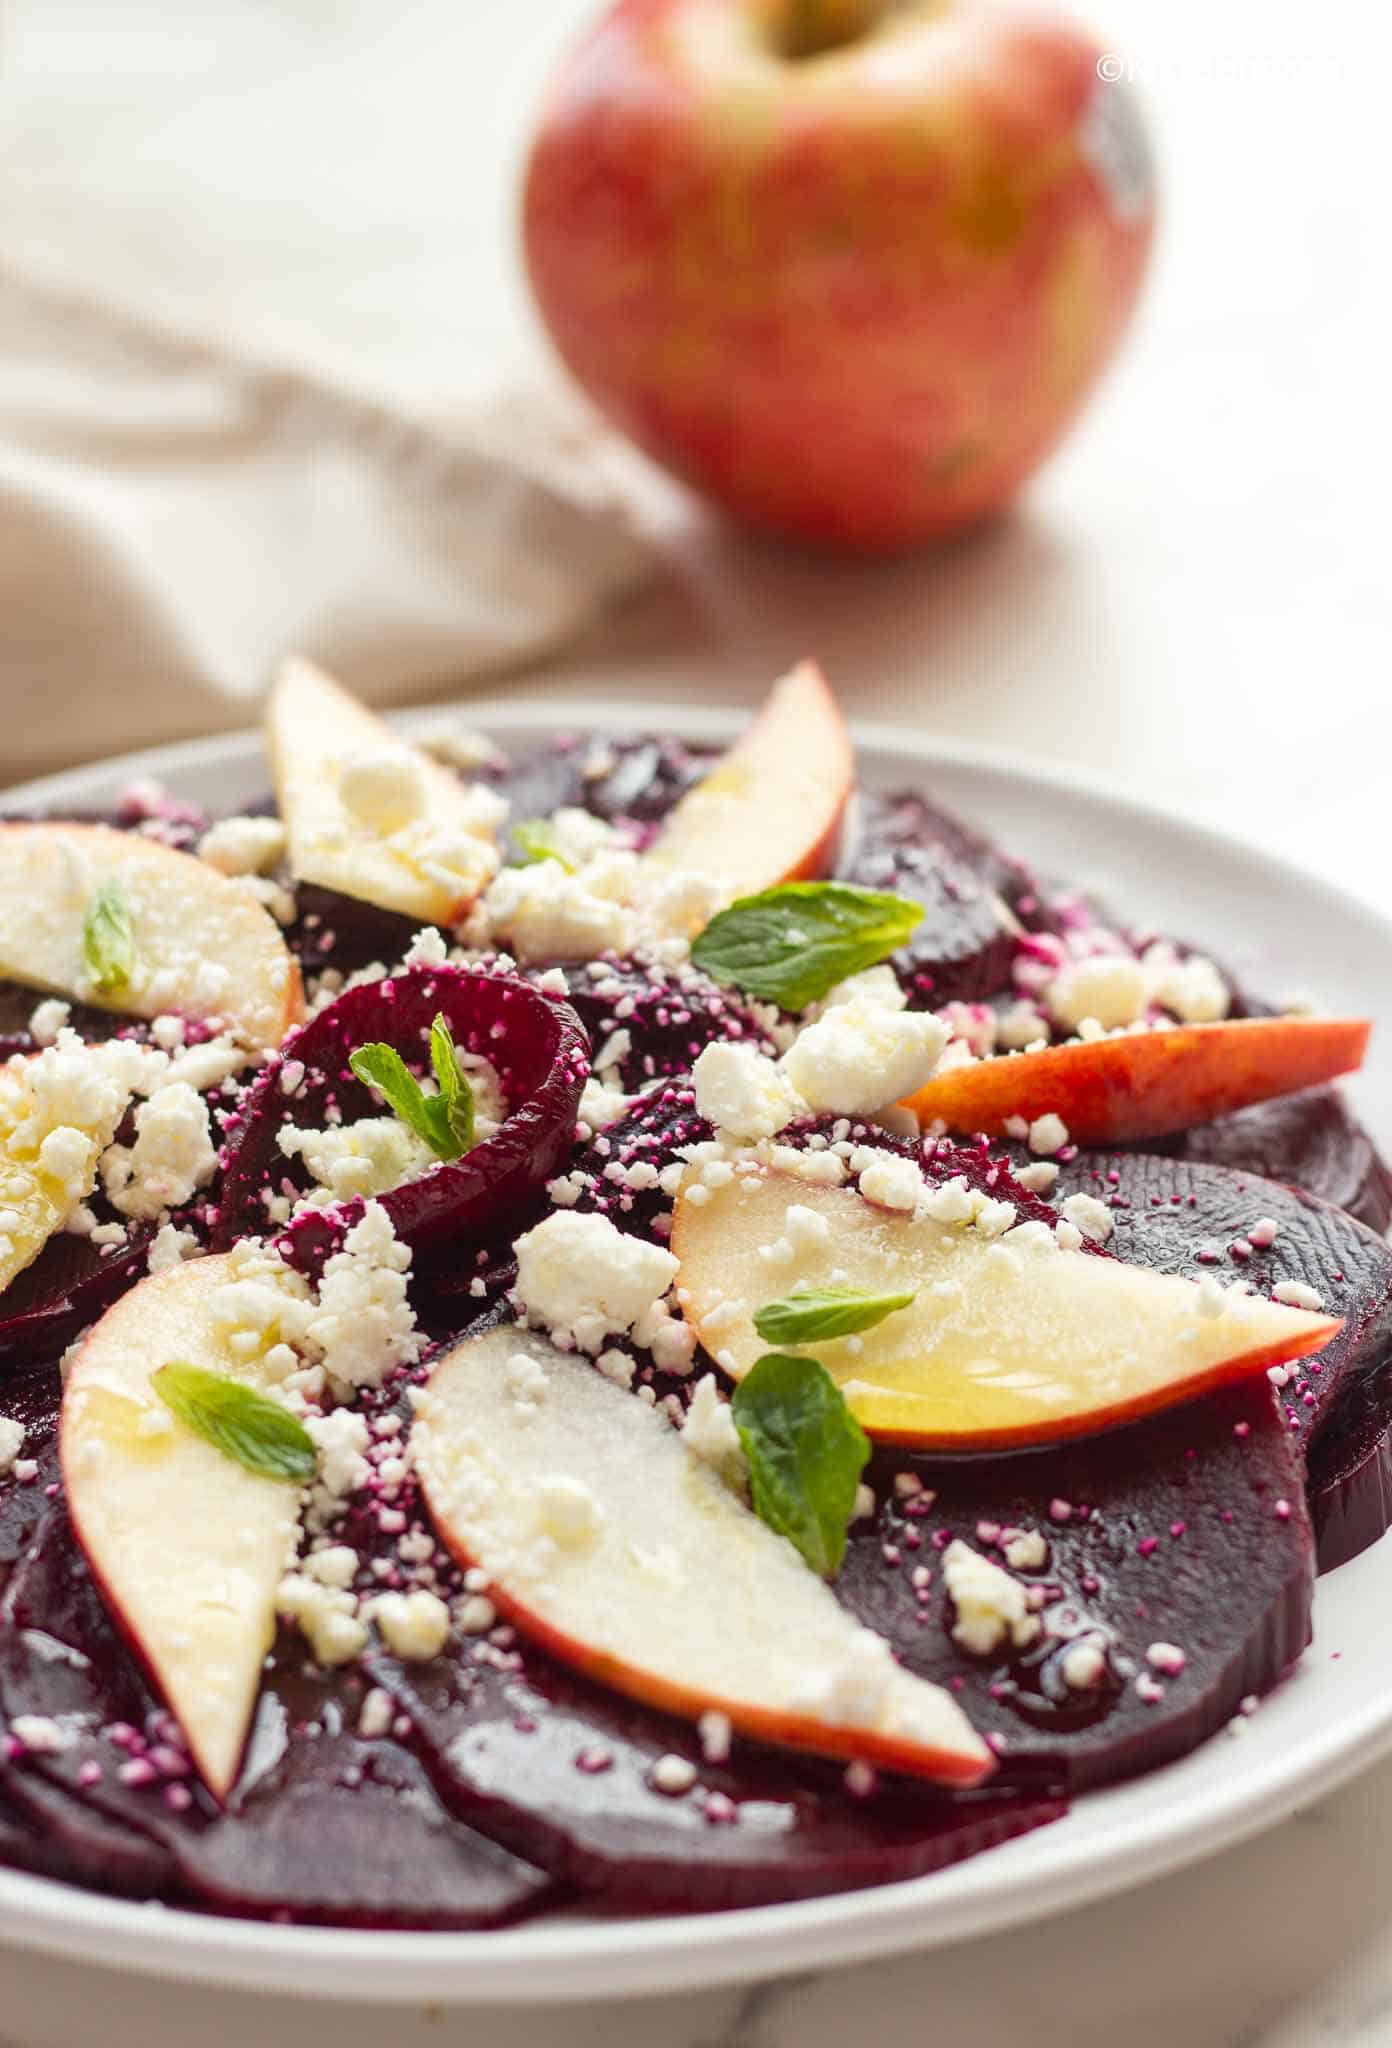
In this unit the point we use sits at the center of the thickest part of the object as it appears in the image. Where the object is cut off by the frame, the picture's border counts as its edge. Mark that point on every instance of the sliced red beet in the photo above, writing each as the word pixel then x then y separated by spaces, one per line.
pixel 68 1286
pixel 638 780
pixel 33 1401
pixel 333 930
pixel 1187 1532
pixel 562 1772
pixel 324 1825
pixel 668 1016
pixel 537 1045
pixel 1308 1141
pixel 963 949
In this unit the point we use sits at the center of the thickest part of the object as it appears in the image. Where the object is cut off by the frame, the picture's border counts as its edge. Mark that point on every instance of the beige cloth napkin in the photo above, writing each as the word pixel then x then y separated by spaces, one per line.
pixel 174 517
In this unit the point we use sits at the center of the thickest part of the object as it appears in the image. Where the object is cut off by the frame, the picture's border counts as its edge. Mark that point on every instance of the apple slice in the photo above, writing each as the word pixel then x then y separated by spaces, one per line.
pixel 609 1543
pixel 771 810
pixel 1003 1344
pixel 187 1546
pixel 204 948
pixel 369 815
pixel 1146 1084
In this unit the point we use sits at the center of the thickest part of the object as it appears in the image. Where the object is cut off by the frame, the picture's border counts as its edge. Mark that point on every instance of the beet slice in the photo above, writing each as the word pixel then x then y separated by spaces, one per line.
pixel 333 930
pixel 1308 1141
pixel 637 780
pixel 324 1825
pixel 1186 1530
pixel 534 1040
pixel 562 1772
pixel 669 1015
pixel 68 1286
pixel 963 949
pixel 33 1401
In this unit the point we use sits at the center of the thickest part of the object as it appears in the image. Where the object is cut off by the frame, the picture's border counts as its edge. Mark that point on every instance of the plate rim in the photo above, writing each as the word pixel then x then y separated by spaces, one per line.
pixel 565 1959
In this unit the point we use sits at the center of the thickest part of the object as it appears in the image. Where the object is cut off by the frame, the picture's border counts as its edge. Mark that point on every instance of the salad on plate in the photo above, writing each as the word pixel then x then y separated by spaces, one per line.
pixel 634 1327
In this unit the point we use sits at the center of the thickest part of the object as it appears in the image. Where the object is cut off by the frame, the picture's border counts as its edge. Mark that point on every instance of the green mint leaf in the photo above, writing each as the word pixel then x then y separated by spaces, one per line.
pixel 246 1426
pixel 806 1452
pixel 534 841
pixel 791 945
pixel 445 1121
pixel 108 939
pixel 810 1315
pixel 455 1093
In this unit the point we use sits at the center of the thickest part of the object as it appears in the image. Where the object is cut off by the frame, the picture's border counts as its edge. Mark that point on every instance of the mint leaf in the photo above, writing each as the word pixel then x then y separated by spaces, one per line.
pixel 455 1093
pixel 246 1426
pixel 791 945
pixel 811 1314
pixel 533 839
pixel 108 939
pixel 806 1452
pixel 445 1121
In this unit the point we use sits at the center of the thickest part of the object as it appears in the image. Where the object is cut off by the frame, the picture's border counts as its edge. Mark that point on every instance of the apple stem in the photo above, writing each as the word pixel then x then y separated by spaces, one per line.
pixel 811 27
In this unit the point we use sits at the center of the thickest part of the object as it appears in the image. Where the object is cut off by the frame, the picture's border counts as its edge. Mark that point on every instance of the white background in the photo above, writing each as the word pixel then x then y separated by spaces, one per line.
pixel 1193 602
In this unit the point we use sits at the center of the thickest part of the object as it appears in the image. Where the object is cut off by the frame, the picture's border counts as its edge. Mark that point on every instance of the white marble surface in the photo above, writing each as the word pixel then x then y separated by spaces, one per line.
pixel 1194 603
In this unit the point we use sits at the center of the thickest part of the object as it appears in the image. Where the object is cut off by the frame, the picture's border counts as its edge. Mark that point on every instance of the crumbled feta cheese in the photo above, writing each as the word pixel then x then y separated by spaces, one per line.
pixel 709 1433
pixel 1263 1233
pixel 673 1774
pixel 872 985
pixel 40 1734
pixel 990 1604
pixel 856 1691
pixel 716 1732
pixel 48 1019
pixel 1093 1218
pixel 526 1381
pixel 11 1442
pixel 1192 990
pixel 547 913
pixel 1021 1024
pixel 567 1510
pixel 376 1714
pixel 427 949
pixel 1083 1665
pixel 742 1092
pixel 584 1278
pixel 243 846
pixel 860 1056
pixel 326 1615
pixel 383 791
pixel 1110 987
pixel 1025 1550
pixel 1295 1294
pixel 1038 1177
pixel 335 1565
pixel 1048 1134
pixel 893 1182
pixel 601 1106
pixel 414 1626
pixel 170 1248
pixel 363 1325
pixel 993 1219
pixel 1067 1236
pixel 477 1615
pixel 369 1157
pixel 340 1441
pixel 172 1157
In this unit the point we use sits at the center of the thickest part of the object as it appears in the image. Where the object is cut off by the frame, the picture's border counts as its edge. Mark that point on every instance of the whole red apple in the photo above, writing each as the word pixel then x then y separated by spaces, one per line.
pixel 848 266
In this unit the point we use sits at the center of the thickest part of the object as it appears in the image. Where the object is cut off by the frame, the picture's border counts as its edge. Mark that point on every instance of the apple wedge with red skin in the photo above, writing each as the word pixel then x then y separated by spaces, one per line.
pixel 187 1545
pixel 1003 1346
pixel 607 1542
pixel 205 949
pixel 770 810
pixel 1146 1084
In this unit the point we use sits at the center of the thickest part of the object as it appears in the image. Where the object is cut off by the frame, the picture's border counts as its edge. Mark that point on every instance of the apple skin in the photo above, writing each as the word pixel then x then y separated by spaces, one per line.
pixel 1146 1084
pixel 854 298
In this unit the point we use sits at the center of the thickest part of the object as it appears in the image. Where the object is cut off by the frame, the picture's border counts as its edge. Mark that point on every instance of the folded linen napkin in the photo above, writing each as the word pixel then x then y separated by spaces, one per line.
pixel 174 515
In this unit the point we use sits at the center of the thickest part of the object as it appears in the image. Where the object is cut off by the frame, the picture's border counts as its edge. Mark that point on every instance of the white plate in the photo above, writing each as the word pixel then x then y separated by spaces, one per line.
pixel 1333 1716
